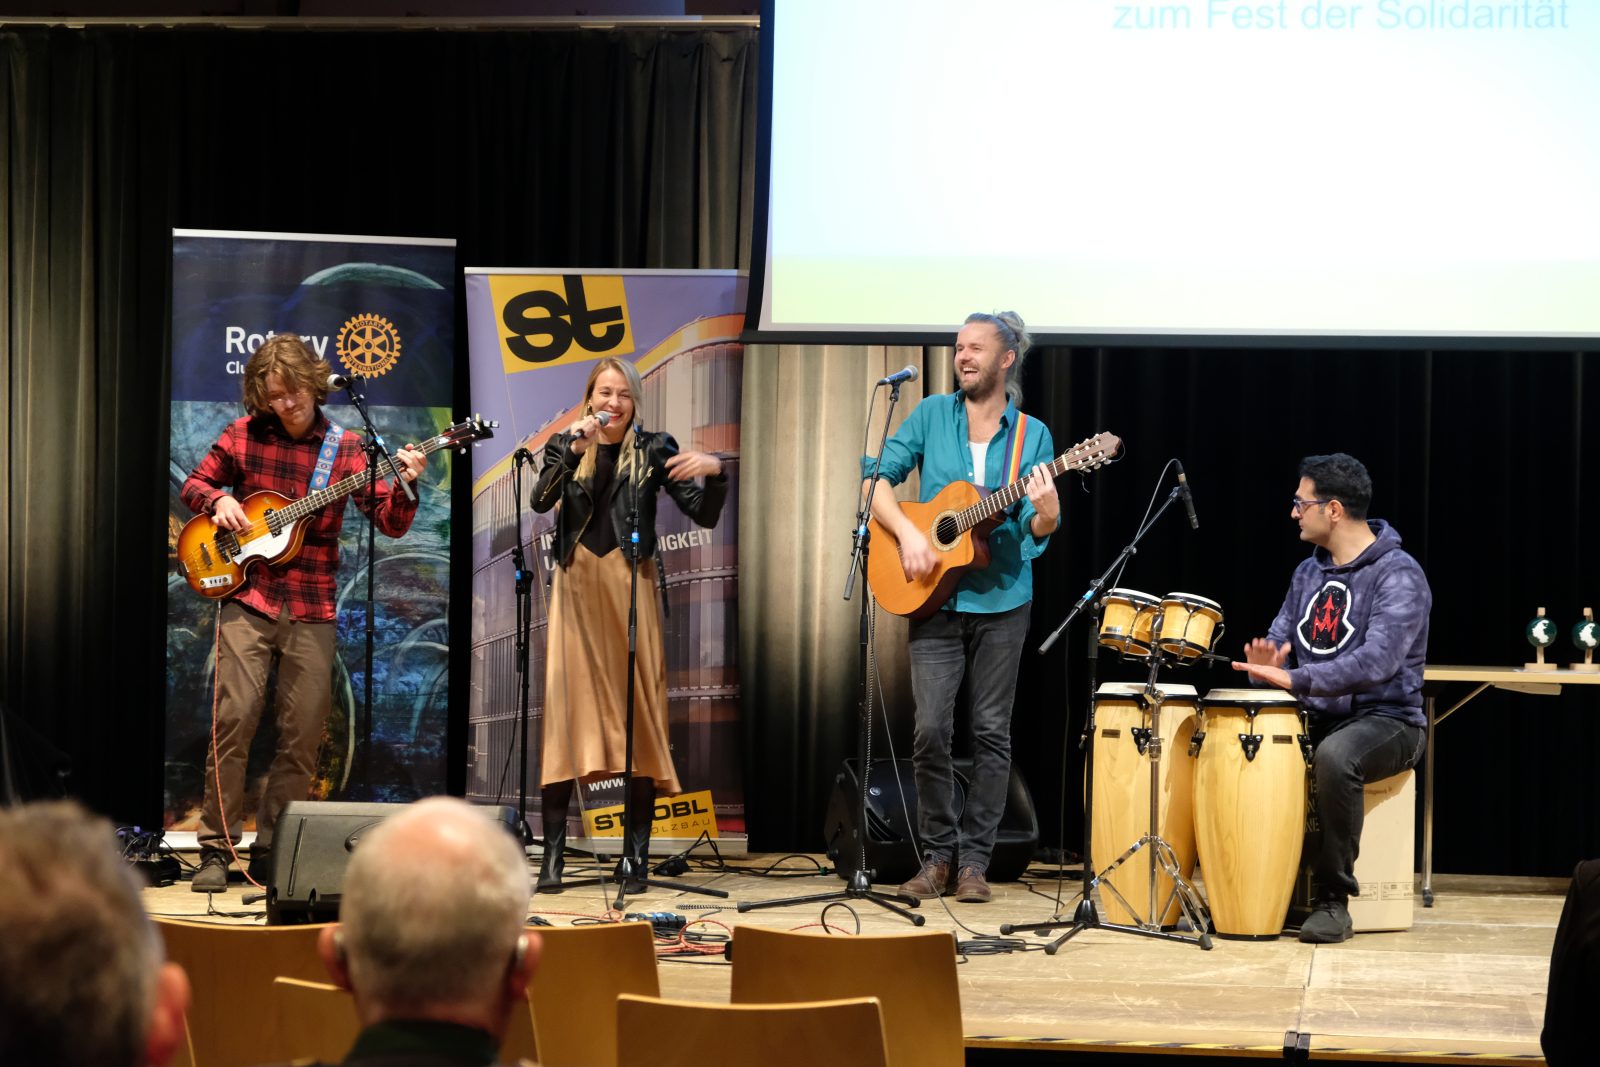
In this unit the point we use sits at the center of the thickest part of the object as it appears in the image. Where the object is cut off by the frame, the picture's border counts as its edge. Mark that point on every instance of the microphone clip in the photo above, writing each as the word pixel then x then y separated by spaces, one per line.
pixel 1188 497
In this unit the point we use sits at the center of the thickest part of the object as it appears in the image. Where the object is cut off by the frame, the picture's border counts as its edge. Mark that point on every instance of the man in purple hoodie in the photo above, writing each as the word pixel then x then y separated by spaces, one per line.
pixel 1350 642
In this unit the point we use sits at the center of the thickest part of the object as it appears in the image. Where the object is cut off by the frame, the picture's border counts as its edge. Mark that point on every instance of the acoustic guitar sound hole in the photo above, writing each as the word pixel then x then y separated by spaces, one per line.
pixel 945 532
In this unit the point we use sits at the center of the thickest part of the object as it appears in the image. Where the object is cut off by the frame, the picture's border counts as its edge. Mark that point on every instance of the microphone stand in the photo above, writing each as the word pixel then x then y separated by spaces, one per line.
pixel 374 448
pixel 524 594
pixel 626 871
pixel 859 883
pixel 1086 917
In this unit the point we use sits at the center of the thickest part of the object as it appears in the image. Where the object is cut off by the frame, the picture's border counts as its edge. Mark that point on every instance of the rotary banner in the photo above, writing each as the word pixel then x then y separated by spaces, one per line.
pixel 380 310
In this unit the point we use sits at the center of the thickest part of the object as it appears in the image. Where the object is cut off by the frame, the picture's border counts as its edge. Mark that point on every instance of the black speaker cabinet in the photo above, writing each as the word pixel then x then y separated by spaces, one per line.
pixel 892 820
pixel 311 848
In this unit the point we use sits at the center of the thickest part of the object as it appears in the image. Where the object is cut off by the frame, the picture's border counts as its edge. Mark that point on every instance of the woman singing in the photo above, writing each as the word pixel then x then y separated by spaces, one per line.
pixel 600 471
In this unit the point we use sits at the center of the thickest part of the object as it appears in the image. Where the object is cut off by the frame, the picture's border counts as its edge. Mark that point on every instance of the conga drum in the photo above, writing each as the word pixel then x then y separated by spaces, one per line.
pixel 1127 621
pixel 1121 812
pixel 1249 808
pixel 1190 625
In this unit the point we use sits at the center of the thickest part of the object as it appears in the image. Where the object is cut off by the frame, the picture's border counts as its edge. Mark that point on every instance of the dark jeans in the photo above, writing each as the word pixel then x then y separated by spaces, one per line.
pixel 1350 753
pixel 985 648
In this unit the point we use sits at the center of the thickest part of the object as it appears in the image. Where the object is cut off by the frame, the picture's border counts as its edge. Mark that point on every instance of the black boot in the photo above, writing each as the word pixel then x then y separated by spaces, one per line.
pixel 260 869
pixel 636 848
pixel 553 801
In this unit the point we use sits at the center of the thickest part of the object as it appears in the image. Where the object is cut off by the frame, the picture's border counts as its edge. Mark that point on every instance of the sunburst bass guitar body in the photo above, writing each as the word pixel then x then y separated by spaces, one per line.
pixel 217 562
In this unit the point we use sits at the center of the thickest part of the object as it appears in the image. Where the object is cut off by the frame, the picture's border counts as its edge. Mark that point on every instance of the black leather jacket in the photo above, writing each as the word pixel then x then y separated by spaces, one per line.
pixel 556 483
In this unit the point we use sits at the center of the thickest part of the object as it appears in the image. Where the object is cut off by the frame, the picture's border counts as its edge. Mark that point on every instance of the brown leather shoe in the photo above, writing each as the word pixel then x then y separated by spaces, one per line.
pixel 928 882
pixel 971 887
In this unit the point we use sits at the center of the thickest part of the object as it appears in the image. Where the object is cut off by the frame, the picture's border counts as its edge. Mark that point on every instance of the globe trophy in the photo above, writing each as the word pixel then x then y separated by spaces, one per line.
pixel 1586 638
pixel 1541 634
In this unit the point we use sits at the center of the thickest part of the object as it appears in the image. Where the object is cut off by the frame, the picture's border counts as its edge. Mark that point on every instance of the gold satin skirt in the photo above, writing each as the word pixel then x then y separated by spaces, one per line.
pixel 586 678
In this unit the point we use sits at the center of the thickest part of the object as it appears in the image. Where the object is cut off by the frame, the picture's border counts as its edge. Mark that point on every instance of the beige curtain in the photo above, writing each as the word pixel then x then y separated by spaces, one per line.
pixel 804 411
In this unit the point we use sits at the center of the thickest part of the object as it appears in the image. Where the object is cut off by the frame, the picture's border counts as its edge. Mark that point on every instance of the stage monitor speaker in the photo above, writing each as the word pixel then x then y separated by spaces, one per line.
pixel 892 820
pixel 311 849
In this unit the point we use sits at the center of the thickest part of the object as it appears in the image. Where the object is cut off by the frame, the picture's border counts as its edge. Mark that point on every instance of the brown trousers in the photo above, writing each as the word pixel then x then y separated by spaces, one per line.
pixel 304 699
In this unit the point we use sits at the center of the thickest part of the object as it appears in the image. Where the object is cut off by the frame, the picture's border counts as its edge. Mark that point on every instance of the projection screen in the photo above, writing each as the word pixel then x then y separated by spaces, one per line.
pixel 1214 170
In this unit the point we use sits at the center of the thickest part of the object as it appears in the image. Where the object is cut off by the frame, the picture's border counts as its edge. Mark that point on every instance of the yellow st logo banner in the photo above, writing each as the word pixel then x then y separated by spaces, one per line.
pixel 549 320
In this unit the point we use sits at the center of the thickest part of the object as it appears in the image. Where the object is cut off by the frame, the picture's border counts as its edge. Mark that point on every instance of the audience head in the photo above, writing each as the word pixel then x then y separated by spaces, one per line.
pixel 431 925
pixel 82 977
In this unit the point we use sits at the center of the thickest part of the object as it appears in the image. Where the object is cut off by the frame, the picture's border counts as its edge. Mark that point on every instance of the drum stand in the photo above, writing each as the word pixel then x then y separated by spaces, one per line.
pixel 1085 917
pixel 1161 854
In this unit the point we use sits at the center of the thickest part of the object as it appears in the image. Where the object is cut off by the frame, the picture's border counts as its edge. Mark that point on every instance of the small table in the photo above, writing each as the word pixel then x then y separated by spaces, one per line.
pixel 1539 683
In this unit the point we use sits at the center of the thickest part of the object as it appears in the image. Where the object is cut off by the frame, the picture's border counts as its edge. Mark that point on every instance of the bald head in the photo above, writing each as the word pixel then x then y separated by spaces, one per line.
pixel 438 831
pixel 434 904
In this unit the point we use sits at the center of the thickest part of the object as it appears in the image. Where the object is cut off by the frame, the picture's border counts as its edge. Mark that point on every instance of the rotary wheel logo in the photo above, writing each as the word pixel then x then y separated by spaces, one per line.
pixel 368 345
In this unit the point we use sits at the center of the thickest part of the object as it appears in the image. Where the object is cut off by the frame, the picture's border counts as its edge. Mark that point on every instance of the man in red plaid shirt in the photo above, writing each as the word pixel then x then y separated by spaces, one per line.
pixel 285 610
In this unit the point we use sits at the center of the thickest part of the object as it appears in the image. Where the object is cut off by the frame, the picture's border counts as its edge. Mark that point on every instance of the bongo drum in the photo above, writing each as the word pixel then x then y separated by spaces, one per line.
pixel 1127 621
pixel 1122 796
pixel 1249 808
pixel 1190 625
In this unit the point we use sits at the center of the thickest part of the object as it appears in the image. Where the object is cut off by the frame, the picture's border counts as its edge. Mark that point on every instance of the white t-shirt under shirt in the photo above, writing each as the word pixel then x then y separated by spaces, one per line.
pixel 980 453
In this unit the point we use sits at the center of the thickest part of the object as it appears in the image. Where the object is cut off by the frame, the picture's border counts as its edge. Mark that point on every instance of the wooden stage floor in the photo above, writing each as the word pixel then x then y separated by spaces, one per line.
pixel 1465 984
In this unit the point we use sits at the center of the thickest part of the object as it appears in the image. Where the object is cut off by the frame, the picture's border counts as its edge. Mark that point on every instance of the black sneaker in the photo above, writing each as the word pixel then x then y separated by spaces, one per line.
pixel 1328 924
pixel 212 877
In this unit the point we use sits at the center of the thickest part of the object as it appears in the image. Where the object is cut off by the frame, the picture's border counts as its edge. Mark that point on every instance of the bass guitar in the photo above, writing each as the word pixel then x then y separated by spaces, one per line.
pixel 957 523
pixel 216 562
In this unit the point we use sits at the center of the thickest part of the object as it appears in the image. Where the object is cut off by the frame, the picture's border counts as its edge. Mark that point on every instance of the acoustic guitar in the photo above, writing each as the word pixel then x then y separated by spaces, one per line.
pixel 216 562
pixel 957 523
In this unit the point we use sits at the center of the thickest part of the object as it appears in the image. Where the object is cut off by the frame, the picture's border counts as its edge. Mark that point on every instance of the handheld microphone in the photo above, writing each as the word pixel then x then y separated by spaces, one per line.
pixel 337 382
pixel 1188 498
pixel 909 374
pixel 601 418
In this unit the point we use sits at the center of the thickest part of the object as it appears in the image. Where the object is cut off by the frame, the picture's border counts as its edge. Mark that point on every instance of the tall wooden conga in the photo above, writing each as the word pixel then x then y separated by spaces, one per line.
pixel 1249 808
pixel 1121 813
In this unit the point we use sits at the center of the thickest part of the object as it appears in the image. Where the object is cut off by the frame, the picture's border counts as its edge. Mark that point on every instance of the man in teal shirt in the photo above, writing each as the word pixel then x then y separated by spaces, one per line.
pixel 978 633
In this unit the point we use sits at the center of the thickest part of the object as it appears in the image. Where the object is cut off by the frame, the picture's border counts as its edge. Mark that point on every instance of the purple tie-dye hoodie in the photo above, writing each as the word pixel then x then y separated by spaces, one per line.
pixel 1358 633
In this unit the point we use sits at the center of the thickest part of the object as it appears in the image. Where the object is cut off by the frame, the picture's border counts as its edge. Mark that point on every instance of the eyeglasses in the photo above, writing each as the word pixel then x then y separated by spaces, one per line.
pixel 298 396
pixel 1296 506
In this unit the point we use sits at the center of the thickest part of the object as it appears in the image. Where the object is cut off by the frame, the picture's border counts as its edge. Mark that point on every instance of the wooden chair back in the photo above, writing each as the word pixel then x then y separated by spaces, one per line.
pixel 231 1021
pixel 913 975
pixel 316 1020
pixel 573 996
pixel 678 1033
pixel 319 1021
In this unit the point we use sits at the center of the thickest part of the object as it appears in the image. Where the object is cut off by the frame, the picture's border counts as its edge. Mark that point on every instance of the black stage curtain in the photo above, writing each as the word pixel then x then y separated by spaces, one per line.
pixel 630 148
